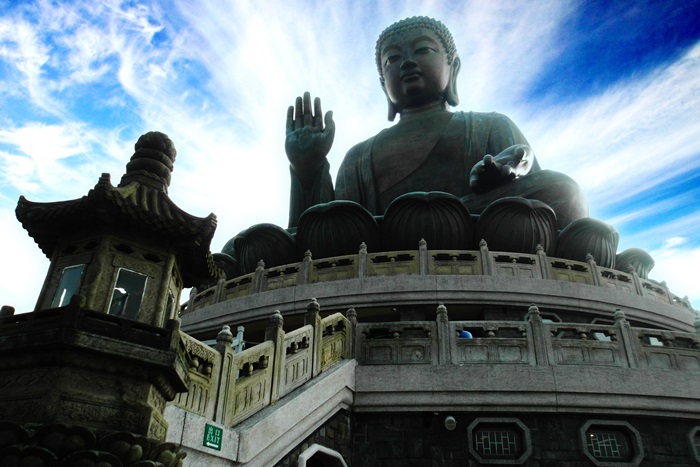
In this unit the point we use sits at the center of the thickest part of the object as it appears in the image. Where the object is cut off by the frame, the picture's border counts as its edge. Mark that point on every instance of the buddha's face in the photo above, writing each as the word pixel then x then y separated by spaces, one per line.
pixel 415 69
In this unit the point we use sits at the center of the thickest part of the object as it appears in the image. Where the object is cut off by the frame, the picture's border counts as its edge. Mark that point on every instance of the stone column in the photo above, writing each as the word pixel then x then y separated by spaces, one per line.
pixel 305 268
pixel 594 269
pixel 423 257
pixel 362 261
pixel 313 317
pixel 487 265
pixel 351 315
pixel 627 338
pixel 444 336
pixel 541 338
pixel 275 333
pixel 259 277
pixel 227 373
pixel 544 262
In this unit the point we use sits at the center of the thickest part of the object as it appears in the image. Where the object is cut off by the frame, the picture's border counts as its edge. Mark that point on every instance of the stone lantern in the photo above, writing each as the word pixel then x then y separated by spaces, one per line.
pixel 129 250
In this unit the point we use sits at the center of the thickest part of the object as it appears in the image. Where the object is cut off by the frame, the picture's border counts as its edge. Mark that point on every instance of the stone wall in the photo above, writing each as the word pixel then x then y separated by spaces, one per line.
pixel 421 439
pixel 334 434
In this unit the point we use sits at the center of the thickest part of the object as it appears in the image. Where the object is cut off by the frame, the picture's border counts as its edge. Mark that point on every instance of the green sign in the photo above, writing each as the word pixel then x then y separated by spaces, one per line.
pixel 212 437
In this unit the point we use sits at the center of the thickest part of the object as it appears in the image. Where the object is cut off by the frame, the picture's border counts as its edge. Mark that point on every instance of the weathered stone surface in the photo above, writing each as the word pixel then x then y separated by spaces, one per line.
pixel 640 260
pixel 589 236
pixel 267 242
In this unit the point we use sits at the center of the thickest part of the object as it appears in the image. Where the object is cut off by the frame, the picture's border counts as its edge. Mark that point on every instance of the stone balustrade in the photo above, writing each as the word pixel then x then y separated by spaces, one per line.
pixel 228 387
pixel 482 262
pixel 529 342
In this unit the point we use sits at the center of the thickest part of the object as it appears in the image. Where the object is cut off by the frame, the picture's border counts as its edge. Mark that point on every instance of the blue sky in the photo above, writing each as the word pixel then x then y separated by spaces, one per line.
pixel 607 92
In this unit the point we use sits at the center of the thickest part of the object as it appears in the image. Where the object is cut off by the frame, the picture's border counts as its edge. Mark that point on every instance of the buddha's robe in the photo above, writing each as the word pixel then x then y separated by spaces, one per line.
pixel 468 137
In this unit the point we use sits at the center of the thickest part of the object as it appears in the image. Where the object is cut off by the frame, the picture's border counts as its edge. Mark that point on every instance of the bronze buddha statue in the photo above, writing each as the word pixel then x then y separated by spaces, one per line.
pixel 430 149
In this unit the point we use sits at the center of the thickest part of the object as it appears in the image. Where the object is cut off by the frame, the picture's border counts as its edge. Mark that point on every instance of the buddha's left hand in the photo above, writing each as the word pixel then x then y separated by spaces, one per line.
pixel 492 172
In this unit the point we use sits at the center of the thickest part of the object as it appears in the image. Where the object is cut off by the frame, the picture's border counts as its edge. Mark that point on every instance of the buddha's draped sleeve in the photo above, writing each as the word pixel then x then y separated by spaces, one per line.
pixel 303 197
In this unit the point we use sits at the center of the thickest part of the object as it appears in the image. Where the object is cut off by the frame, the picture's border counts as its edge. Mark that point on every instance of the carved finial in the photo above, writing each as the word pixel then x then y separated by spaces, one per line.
pixel 441 311
pixel 105 179
pixel 483 244
pixel 532 309
pixel 619 315
pixel 631 269
pixel 154 158
pixel 663 284
pixel 539 248
pixel 307 255
pixel 422 244
pixel 225 336
pixel 7 310
pixel 313 305
pixel 276 319
pixel 351 314
pixel 261 265
pixel 589 257
pixel 363 247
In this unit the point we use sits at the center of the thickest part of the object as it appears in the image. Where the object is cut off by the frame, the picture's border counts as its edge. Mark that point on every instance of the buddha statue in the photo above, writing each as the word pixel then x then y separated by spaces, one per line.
pixel 476 157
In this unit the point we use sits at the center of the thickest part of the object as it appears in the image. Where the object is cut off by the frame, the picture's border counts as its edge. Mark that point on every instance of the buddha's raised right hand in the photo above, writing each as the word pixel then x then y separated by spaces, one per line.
pixel 308 141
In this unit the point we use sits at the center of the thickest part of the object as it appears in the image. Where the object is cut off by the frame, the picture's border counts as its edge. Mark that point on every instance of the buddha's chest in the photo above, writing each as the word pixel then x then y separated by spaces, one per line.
pixel 430 147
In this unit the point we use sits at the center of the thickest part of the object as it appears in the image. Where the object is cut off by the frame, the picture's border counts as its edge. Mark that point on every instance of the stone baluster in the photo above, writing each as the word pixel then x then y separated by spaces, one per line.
pixel 259 277
pixel 697 325
pixel 190 302
pixel 635 279
pixel 541 337
pixel 669 296
pixel 362 261
pixel 227 373
pixel 627 338
pixel 444 336
pixel 423 257
pixel 306 265
pixel 487 264
pixel 313 317
pixel 544 262
pixel 594 269
pixel 219 293
pixel 275 333
pixel 351 315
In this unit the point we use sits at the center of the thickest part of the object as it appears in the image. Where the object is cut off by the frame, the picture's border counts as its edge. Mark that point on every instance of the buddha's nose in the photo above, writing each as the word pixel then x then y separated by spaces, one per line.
pixel 408 63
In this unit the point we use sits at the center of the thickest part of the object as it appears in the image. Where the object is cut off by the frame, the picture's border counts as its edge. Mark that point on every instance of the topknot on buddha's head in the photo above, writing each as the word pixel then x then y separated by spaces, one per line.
pixel 416 22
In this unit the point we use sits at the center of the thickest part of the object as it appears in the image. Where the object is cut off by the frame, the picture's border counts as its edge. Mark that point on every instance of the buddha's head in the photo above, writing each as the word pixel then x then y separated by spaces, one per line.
pixel 418 64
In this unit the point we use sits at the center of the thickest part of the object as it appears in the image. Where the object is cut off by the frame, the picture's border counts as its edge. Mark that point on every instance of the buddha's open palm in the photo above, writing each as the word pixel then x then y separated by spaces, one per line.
pixel 492 172
pixel 308 139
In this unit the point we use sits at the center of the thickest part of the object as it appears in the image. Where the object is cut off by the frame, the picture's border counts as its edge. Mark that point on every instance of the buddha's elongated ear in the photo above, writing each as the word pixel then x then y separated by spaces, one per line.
pixel 451 91
pixel 392 110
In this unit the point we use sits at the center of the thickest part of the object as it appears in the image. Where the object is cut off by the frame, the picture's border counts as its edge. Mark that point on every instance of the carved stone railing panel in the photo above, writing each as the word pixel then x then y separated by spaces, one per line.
pixel 654 290
pixel 203 372
pixel 492 342
pixel 334 269
pixel 616 279
pixel 335 339
pixel 406 342
pixel 517 265
pixel 668 349
pixel 586 344
pixel 205 298
pixel 281 277
pixel 252 387
pixel 571 271
pixel 454 262
pixel 393 263
pixel 238 287
pixel 298 354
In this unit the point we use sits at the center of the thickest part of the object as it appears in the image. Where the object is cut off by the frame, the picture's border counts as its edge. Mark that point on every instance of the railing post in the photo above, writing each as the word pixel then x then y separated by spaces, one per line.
pixel 594 269
pixel 422 257
pixel 218 294
pixel 190 302
pixel 443 336
pixel 362 261
pixel 697 325
pixel 544 262
pixel 627 338
pixel 258 277
pixel 351 315
pixel 275 333
pixel 635 279
pixel 227 374
pixel 668 292
pixel 487 264
pixel 313 317
pixel 305 268
pixel 541 338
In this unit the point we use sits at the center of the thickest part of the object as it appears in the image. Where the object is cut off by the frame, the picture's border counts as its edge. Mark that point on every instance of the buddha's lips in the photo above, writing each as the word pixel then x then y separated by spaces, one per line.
pixel 410 75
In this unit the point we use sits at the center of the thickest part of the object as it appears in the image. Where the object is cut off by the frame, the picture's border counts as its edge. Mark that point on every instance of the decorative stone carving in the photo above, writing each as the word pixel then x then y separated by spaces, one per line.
pixel 518 225
pixel 337 228
pixel 588 236
pixel 439 218
pixel 267 242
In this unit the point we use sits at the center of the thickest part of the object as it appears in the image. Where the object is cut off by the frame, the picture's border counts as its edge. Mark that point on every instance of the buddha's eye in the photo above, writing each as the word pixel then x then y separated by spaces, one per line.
pixel 391 59
pixel 424 50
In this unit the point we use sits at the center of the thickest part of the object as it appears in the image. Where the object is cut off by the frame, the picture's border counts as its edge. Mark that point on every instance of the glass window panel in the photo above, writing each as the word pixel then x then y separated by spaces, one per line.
pixel 127 294
pixel 68 285
pixel 497 443
pixel 608 445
